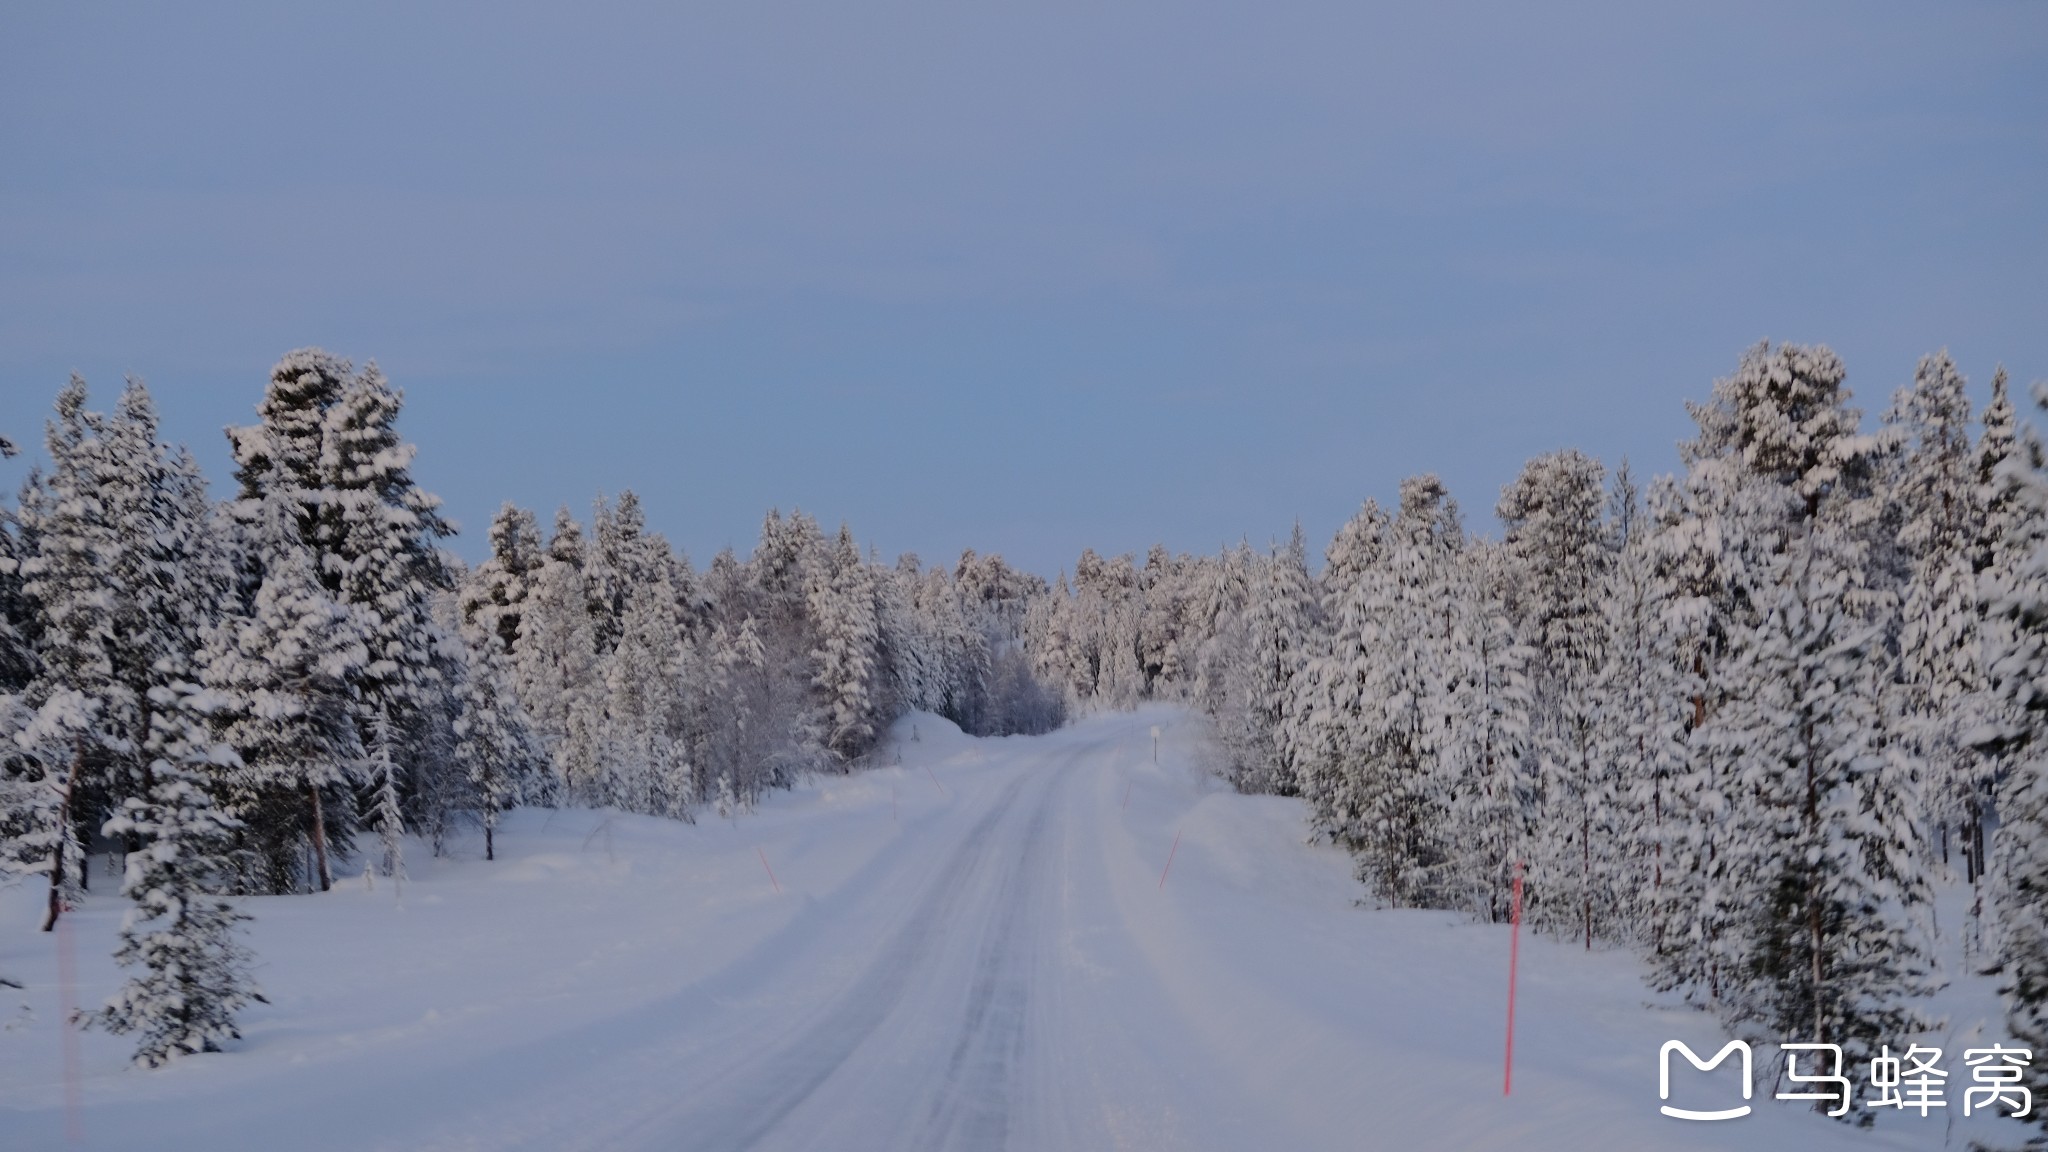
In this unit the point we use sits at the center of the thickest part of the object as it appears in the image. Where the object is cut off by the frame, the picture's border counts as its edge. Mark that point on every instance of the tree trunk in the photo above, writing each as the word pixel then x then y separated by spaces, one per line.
pixel 1813 929
pixel 1586 873
pixel 319 839
pixel 64 834
pixel 56 886
pixel 1813 926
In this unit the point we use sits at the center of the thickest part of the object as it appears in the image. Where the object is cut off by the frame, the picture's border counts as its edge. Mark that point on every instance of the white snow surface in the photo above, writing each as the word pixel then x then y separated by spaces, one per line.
pixel 970 949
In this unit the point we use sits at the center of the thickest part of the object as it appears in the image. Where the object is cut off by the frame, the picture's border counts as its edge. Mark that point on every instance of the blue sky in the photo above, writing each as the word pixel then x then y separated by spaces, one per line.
pixel 1023 278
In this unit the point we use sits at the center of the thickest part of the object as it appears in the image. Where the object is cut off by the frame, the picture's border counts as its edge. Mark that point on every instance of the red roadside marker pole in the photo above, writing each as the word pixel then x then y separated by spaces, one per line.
pixel 935 779
pixel 764 865
pixel 1127 795
pixel 1507 1083
pixel 1169 860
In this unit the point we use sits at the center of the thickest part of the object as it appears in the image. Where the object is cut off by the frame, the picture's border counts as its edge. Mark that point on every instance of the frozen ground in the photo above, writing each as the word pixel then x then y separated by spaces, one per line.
pixel 969 950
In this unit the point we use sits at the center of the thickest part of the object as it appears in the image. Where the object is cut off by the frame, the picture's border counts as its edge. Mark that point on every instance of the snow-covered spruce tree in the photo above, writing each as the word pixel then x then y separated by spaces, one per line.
pixel 328 443
pixel 622 556
pixel 1222 682
pixel 1694 555
pixel 278 675
pixel 1161 659
pixel 194 974
pixel 67 582
pixel 45 763
pixel 1048 635
pixel 1325 716
pixel 2015 588
pixel 494 596
pixel 603 579
pixel 789 568
pixel 725 688
pixel 647 766
pixel 1824 867
pixel 380 782
pixel 496 748
pixel 912 653
pixel 17 644
pixel 1643 712
pixel 555 661
pixel 1405 681
pixel 1122 682
pixel 2002 523
pixel 1940 695
pixel 1490 779
pixel 123 574
pixel 841 602
pixel 950 670
pixel 170 573
pixel 390 573
pixel 1262 660
pixel 1556 543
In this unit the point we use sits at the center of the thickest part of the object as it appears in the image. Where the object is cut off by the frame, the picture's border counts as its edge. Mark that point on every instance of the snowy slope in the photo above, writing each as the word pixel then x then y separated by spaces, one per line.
pixel 970 949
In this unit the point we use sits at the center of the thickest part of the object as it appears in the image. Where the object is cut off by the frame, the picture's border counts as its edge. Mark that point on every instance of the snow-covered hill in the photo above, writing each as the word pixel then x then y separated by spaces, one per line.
pixel 970 948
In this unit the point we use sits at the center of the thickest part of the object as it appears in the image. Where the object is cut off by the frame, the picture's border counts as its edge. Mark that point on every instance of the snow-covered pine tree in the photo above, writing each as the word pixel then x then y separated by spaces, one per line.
pixel 328 443
pixel 17 645
pixel 279 675
pixel 123 575
pixel 66 579
pixel 909 651
pixel 194 974
pixel 47 760
pixel 380 776
pixel 789 568
pixel 1405 676
pixel 494 595
pixel 496 748
pixel 2015 590
pixel 1490 783
pixel 1279 615
pixel 603 578
pixel 1225 589
pixel 1557 544
pixel 1940 694
pixel 390 570
pixel 2003 534
pixel 2002 520
pixel 1643 713
pixel 1694 546
pixel 647 763
pixel 725 688
pixel 959 664
pixel 1325 716
pixel 1159 642
pixel 555 663
pixel 1048 634
pixel 841 600
pixel 1823 865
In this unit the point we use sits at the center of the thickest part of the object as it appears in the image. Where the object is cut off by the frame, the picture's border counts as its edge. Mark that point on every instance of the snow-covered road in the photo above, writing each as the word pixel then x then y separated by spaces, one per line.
pixel 970 949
